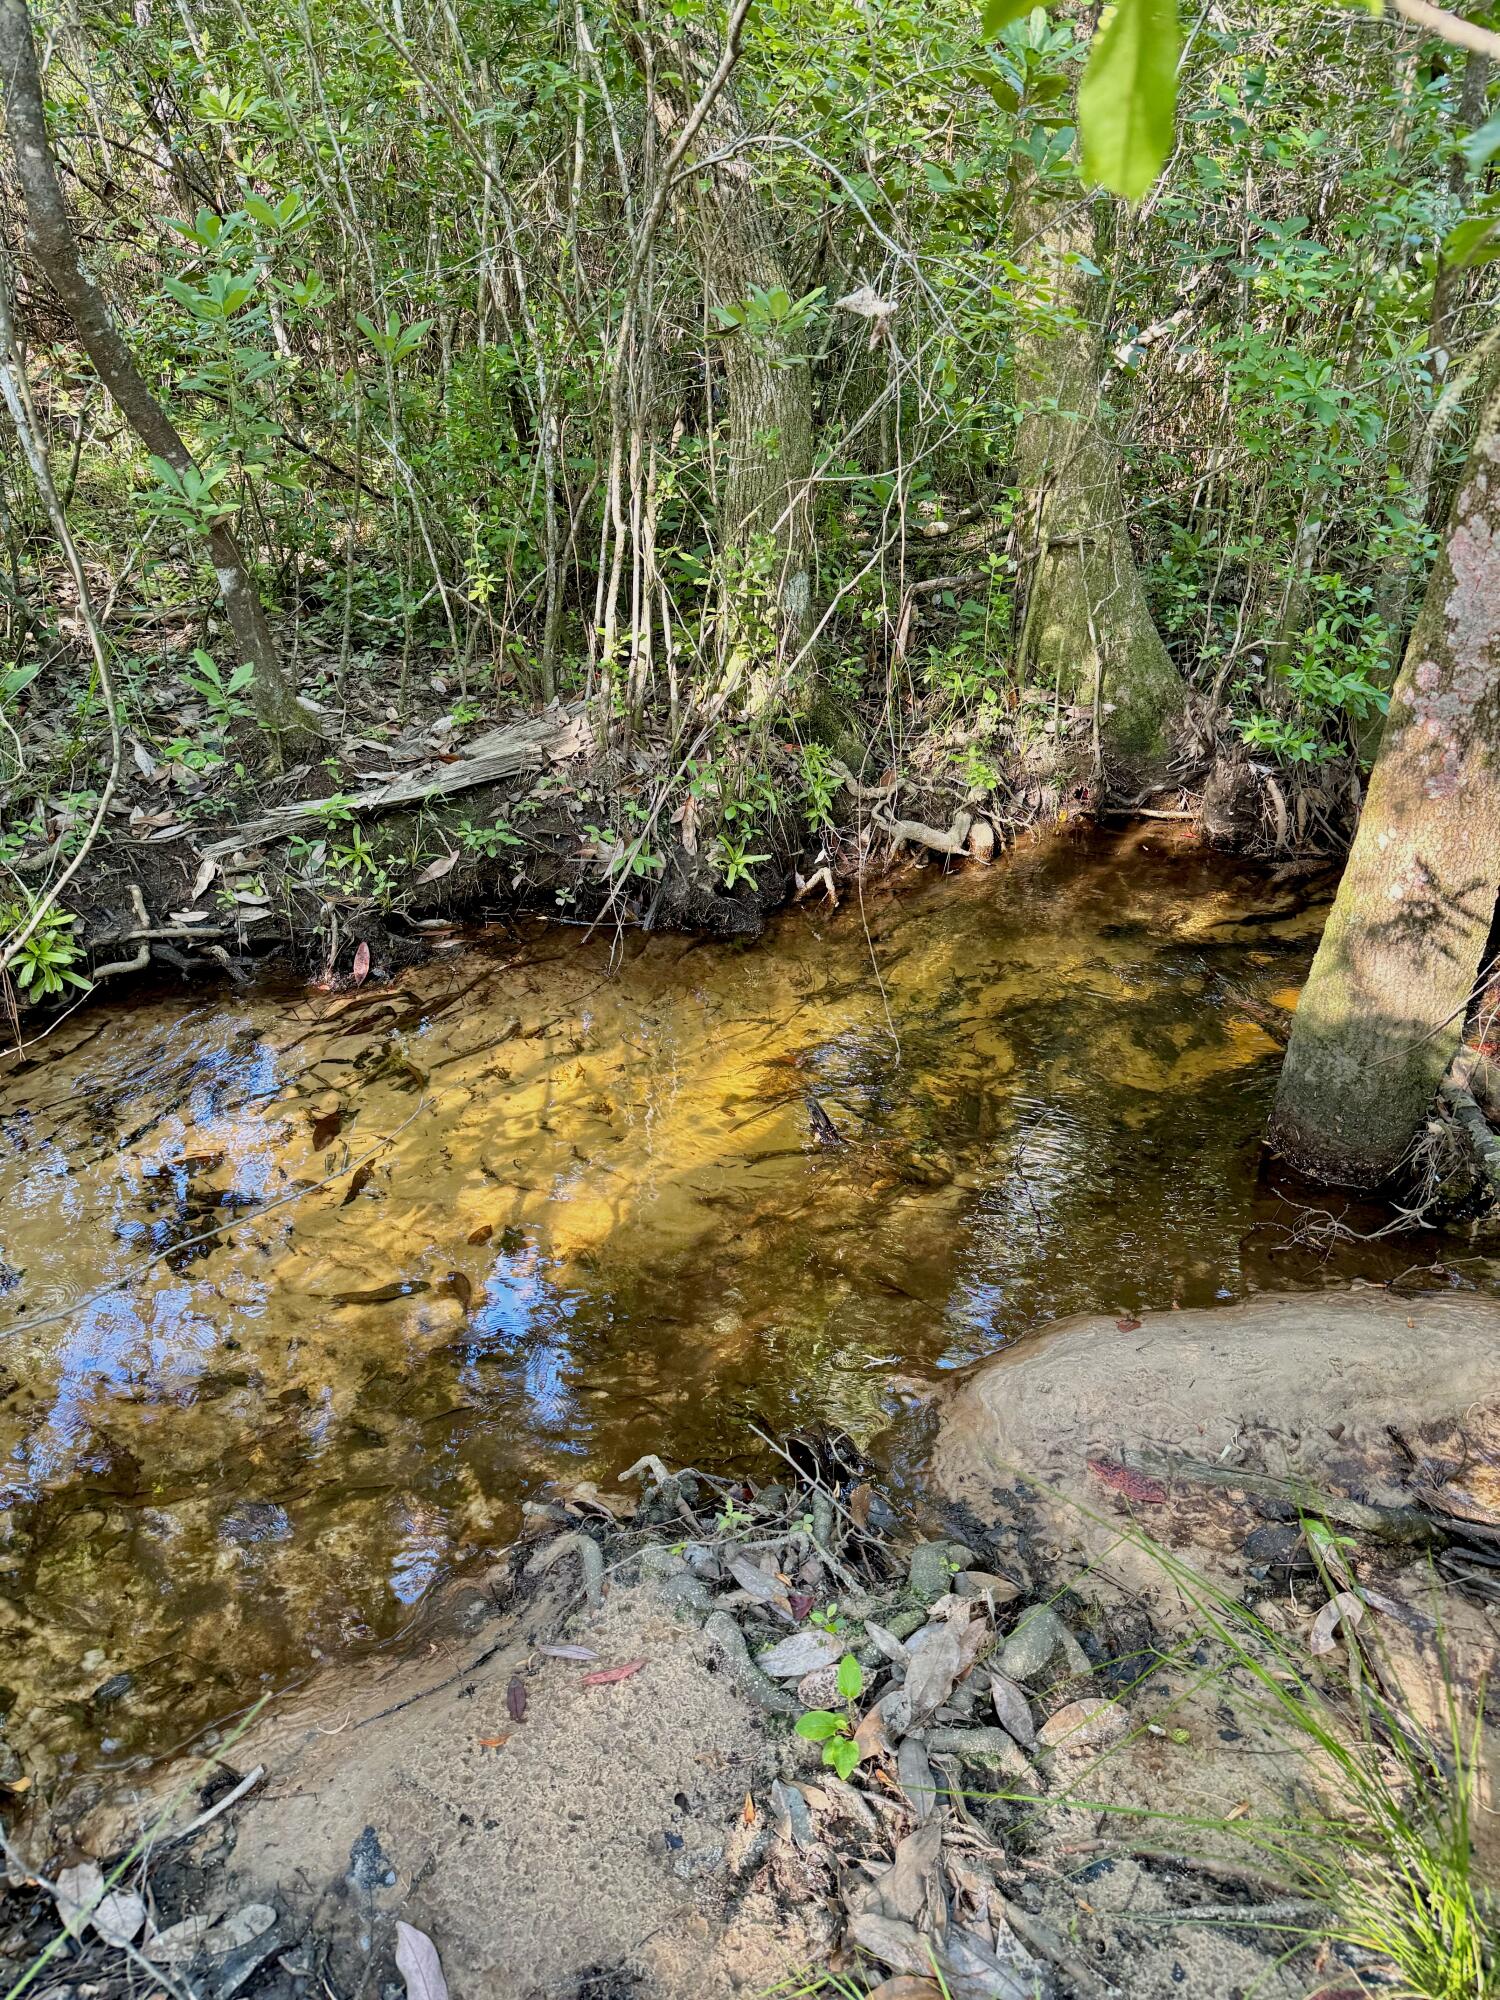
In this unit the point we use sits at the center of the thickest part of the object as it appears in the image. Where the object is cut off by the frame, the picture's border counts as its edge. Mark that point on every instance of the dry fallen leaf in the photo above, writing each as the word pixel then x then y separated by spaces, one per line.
pixel 482 1234
pixel 607 1676
pixel 419 1965
pixel 1345 1607
pixel 567 1652
pixel 439 867
pixel 515 1699
pixel 361 971
pixel 492 1742
pixel 747 1811
pixel 206 873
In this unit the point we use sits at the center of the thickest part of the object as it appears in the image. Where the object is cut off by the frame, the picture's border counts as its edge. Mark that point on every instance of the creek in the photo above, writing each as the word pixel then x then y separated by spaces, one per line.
pixel 553 1200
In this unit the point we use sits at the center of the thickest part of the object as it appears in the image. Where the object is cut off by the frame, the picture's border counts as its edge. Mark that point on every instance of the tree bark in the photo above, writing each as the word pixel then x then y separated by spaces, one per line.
pixel 1087 630
pixel 1393 587
pixel 766 488
pixel 49 233
pixel 1384 1005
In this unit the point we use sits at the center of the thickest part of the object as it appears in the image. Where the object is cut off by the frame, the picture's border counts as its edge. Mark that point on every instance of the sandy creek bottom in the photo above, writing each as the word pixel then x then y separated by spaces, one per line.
pixel 553 1201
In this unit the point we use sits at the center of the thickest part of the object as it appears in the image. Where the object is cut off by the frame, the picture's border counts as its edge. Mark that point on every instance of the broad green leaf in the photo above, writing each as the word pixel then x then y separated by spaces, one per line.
pixel 1482 144
pixel 999 14
pixel 851 1678
pixel 1128 96
pixel 818 1725
pixel 1473 242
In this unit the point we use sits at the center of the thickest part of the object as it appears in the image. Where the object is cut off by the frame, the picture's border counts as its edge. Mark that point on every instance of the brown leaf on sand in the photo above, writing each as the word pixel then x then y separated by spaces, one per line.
pixel 1128 1324
pixel 515 1699
pixel 747 1811
pixel 419 1965
pixel 901 1986
pixel 607 1676
pixel 493 1742
pixel 482 1234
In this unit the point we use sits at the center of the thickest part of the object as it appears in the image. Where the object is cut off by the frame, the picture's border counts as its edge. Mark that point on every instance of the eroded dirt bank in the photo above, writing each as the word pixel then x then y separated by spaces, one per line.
pixel 581 1777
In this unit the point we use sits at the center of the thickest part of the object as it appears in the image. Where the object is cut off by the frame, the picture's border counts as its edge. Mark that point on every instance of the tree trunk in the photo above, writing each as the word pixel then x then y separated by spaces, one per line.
pixel 1385 1003
pixel 1393 587
pixel 49 234
pixel 765 510
pixel 1086 630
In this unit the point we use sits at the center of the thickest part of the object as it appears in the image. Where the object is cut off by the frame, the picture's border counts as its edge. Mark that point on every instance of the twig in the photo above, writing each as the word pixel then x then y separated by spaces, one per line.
pixel 219 1805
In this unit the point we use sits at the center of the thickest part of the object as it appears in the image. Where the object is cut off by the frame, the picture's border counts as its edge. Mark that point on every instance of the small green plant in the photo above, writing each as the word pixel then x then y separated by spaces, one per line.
pixel 734 862
pixel 45 963
pixel 822 776
pixel 836 1732
pixel 731 1519
pixel 826 1618
pixel 487 840
pixel 222 696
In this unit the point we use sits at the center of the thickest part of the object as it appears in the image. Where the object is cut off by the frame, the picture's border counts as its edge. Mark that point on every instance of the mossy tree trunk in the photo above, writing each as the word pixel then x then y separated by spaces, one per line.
pixel 1385 1003
pixel 1086 629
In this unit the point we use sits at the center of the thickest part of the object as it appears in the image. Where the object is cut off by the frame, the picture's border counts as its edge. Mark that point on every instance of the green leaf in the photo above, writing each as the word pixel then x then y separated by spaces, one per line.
pixel 1472 242
pixel 1128 97
pixel 818 1725
pixel 260 210
pixel 851 1677
pixel 999 14
pixel 842 1754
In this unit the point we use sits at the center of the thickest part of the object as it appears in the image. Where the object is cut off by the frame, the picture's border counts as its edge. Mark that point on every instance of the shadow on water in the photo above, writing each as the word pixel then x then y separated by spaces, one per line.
pixel 602 1223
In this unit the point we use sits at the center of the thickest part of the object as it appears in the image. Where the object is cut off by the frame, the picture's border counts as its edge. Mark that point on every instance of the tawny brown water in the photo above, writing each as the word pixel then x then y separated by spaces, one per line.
pixel 551 1202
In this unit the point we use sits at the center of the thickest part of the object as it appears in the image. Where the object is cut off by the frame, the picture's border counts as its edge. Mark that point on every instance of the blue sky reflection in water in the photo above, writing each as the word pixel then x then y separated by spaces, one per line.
pixel 551 1211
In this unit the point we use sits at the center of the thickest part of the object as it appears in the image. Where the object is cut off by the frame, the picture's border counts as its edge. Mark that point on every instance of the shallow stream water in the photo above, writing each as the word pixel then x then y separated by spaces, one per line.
pixel 552 1201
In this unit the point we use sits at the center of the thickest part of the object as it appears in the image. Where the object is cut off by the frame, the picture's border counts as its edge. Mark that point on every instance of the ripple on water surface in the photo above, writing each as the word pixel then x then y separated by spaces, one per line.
pixel 547 1204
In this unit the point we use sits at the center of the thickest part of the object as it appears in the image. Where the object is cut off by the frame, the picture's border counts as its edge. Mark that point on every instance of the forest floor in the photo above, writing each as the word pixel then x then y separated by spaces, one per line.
pixel 392 826
pixel 1073 1764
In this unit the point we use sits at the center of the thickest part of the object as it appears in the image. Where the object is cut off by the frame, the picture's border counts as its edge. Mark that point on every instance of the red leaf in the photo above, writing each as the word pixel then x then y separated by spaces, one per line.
pixel 361 964
pixel 801 1603
pixel 515 1698
pixel 606 1676
pixel 1137 1486
pixel 1128 1324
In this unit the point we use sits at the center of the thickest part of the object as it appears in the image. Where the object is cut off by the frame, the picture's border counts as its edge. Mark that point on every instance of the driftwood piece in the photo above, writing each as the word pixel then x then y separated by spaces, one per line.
pixel 1387 1524
pixel 522 746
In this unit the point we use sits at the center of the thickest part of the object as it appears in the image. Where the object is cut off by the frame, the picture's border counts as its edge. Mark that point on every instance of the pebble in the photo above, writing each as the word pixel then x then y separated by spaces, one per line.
pixel 1039 1639
pixel 1083 1725
pixel 933 1567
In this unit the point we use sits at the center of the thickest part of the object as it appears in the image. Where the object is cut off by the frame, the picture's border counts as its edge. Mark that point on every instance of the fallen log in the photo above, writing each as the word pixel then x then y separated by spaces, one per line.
pixel 503 753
